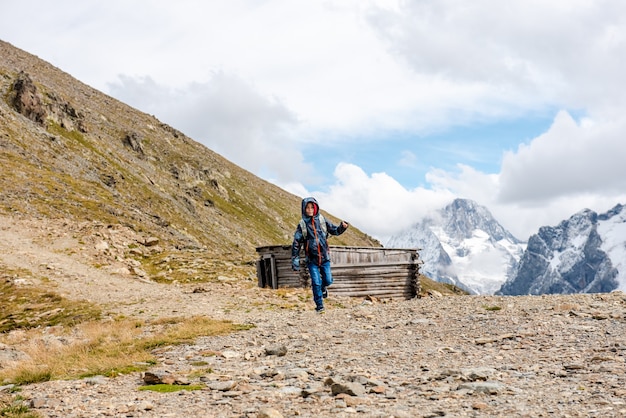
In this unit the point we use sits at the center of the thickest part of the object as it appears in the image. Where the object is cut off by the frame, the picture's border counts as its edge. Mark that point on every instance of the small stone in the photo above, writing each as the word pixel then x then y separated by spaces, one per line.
pixel 269 413
pixel 230 354
pixel 102 246
pixel 38 403
pixel 151 241
pixel 485 340
pixel 96 380
pixel 378 390
pixel 479 405
pixel 349 400
pixel 279 350
pixel 491 388
pixel 290 390
pixel 150 378
pixel 145 406
pixel 7 388
pixel 222 386
pixel 350 388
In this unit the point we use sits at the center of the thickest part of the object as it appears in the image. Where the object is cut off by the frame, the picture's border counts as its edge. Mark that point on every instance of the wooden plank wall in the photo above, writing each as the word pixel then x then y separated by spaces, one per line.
pixel 379 272
pixel 282 259
pixel 357 271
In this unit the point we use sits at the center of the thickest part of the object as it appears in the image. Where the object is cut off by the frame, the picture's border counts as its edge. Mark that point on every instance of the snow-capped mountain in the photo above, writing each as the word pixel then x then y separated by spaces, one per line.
pixel 464 245
pixel 584 254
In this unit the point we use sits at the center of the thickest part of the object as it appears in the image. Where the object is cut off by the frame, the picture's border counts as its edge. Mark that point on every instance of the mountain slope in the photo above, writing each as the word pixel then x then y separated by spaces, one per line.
pixel 584 254
pixel 69 151
pixel 464 245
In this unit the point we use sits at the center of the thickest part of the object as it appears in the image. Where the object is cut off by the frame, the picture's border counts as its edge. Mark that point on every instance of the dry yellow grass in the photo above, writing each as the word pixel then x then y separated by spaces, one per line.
pixel 35 306
pixel 101 348
pixel 443 288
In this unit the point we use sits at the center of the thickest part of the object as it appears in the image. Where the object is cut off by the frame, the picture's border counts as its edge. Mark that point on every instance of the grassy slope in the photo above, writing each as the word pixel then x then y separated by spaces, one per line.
pixel 166 185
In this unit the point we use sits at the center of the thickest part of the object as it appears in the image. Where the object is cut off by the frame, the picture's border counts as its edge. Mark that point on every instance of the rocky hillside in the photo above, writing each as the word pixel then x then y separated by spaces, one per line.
pixel 71 152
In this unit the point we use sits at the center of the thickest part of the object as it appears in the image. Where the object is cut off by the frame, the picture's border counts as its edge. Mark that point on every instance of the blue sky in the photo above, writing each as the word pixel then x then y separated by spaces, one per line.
pixel 384 110
pixel 407 158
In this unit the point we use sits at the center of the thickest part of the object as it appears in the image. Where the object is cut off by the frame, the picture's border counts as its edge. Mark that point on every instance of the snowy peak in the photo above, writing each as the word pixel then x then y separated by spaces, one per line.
pixel 583 254
pixel 464 216
pixel 612 230
pixel 464 245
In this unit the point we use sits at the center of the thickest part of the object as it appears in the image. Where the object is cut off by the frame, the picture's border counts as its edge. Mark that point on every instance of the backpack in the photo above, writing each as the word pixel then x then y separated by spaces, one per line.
pixel 322 223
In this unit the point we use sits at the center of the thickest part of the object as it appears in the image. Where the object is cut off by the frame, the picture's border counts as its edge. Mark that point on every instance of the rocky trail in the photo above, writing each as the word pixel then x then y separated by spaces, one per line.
pixel 462 356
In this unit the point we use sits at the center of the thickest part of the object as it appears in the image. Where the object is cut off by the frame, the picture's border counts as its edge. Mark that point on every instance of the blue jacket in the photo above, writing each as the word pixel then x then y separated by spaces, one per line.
pixel 316 245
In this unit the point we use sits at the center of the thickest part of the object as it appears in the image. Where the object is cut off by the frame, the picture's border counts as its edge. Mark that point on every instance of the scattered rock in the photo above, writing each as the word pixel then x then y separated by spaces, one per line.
pixel 349 388
pixel 133 141
pixel 229 354
pixel 222 386
pixel 269 413
pixel 277 350
pixel 10 356
pixel 151 241
pixel 7 388
pixel 150 378
pixel 490 388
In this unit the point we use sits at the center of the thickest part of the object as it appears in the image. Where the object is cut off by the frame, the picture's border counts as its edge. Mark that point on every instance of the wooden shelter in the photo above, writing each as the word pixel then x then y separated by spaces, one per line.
pixel 357 271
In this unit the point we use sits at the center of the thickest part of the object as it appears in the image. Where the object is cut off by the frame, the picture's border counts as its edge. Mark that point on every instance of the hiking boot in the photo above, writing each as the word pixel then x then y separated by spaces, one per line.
pixel 324 293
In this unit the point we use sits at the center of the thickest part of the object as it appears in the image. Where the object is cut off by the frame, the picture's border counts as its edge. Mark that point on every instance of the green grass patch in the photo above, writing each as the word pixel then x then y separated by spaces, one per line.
pixel 57 129
pixel 163 388
pixel 30 375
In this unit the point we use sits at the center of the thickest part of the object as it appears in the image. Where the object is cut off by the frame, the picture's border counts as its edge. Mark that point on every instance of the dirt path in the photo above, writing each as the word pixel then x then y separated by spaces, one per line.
pixel 66 253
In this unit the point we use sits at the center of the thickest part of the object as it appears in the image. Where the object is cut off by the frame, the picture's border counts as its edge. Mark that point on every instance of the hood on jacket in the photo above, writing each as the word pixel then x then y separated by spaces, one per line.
pixel 312 200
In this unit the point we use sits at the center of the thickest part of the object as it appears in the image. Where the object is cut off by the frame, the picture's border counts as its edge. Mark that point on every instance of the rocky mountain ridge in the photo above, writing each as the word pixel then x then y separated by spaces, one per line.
pixel 463 244
pixel 583 254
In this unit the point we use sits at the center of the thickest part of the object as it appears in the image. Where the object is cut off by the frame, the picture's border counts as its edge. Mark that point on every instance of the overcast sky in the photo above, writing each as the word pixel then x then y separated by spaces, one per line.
pixel 383 110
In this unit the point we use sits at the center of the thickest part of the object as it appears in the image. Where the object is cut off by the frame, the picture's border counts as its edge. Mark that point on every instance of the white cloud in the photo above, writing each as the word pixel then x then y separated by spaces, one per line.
pixel 352 67
pixel 228 116
pixel 377 204
pixel 524 52
pixel 466 182
pixel 569 159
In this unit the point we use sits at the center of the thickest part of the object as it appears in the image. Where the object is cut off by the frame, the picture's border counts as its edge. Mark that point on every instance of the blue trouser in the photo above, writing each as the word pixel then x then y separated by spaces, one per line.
pixel 320 279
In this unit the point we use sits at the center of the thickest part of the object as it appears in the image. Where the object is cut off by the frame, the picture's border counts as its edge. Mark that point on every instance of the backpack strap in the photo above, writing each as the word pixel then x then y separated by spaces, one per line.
pixel 322 224
pixel 303 228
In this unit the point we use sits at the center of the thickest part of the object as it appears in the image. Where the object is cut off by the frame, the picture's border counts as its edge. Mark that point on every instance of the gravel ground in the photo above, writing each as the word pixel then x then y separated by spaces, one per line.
pixel 483 356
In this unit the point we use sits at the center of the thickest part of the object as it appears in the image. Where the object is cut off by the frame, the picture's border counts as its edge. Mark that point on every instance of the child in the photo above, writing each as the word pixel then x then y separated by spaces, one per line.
pixel 312 232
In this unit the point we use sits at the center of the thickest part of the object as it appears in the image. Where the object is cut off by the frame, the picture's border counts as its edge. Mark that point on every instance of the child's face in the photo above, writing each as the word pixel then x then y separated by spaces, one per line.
pixel 309 209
